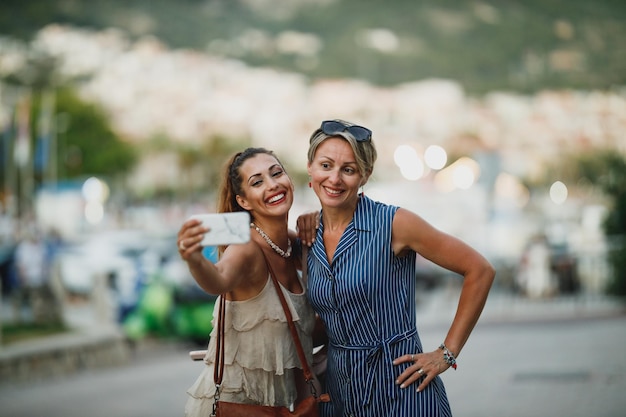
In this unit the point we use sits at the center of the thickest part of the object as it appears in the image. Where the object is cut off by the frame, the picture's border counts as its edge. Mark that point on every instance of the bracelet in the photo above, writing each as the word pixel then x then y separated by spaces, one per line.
pixel 448 356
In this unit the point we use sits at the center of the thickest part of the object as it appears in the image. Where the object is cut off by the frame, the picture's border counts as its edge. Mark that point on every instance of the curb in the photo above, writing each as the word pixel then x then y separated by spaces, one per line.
pixel 61 355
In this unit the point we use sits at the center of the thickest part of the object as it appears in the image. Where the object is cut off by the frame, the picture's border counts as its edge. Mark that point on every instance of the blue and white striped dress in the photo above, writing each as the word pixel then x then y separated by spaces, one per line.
pixel 366 299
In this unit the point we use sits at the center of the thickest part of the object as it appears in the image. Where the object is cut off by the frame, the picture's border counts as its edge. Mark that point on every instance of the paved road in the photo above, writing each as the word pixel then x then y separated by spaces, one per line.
pixel 574 368
pixel 152 385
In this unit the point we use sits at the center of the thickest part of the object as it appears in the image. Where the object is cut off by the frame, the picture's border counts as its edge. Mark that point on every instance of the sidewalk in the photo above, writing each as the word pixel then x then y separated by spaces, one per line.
pixel 90 342
pixel 438 308
pixel 94 342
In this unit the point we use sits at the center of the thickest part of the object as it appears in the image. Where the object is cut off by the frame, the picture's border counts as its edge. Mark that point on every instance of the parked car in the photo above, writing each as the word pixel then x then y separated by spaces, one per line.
pixel 151 288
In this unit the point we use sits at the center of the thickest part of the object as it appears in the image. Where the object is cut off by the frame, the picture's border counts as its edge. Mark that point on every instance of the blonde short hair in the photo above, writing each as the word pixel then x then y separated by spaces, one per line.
pixel 364 151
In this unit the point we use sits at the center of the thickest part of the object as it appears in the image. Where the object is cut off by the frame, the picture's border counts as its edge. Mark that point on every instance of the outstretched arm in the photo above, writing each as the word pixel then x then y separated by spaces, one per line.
pixel 239 264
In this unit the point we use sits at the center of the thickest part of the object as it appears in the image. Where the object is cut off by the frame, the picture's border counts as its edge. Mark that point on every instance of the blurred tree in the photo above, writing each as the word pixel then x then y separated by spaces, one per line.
pixel 189 160
pixel 27 83
pixel 199 164
pixel 206 162
pixel 88 146
pixel 606 169
pixel 216 151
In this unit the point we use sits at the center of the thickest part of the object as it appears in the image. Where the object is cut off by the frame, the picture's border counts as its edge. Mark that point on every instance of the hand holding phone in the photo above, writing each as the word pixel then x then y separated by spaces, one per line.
pixel 225 228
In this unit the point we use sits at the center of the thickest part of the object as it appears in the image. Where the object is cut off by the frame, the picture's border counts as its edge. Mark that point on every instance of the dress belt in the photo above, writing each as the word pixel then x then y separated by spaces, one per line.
pixel 380 350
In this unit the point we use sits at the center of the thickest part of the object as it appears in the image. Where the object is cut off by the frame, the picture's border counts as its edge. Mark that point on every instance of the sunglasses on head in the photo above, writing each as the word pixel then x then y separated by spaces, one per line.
pixel 360 133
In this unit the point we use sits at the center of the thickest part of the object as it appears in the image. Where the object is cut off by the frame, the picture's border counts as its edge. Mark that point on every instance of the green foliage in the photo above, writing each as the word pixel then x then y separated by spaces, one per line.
pixel 18 332
pixel 607 170
pixel 217 150
pixel 88 146
pixel 617 260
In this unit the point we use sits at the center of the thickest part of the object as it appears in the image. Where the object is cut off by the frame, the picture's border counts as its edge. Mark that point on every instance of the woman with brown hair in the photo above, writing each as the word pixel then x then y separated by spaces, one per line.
pixel 261 362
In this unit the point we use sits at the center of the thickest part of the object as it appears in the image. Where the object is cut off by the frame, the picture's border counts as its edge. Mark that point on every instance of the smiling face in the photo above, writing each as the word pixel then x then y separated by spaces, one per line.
pixel 266 187
pixel 334 172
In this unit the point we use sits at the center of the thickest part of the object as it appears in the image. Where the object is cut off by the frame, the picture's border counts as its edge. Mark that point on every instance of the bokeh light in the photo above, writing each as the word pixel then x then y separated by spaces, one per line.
pixel 95 189
pixel 461 174
pixel 508 188
pixel 410 164
pixel 558 192
pixel 95 192
pixel 435 157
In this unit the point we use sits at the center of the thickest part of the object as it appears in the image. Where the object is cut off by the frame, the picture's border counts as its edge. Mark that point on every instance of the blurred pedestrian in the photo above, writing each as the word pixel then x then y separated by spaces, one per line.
pixel 32 288
pixel 361 281
pixel 534 276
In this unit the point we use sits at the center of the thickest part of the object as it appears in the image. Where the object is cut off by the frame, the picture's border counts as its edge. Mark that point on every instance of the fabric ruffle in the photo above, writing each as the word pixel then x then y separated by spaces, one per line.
pixel 260 354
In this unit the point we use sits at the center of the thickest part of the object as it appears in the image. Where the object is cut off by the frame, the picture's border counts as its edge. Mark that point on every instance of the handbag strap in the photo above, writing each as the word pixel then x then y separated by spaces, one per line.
pixel 308 375
pixel 218 371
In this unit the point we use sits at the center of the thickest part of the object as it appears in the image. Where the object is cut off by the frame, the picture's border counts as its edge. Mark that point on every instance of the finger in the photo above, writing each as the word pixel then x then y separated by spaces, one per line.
pixel 426 380
pixel 300 230
pixel 405 375
pixel 191 251
pixel 195 242
pixel 405 358
pixel 198 229
pixel 190 240
pixel 190 223
pixel 310 238
pixel 187 227
pixel 192 236
pixel 409 377
pixel 306 231
pixel 314 224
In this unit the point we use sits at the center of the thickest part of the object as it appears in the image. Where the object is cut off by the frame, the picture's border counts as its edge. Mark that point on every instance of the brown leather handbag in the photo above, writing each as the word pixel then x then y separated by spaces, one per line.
pixel 305 408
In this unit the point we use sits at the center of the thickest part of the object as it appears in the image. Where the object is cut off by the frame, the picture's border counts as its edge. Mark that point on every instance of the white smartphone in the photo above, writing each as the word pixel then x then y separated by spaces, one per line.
pixel 197 355
pixel 226 228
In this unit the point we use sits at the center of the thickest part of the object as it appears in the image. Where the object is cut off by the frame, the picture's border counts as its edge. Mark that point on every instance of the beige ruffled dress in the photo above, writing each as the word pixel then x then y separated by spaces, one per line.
pixel 260 354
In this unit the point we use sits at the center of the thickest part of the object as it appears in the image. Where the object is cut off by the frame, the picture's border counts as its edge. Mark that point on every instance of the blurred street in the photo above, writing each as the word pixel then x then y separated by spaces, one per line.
pixel 561 357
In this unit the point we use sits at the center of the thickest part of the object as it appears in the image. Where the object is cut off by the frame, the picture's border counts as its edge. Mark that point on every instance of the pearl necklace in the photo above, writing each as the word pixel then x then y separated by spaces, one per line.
pixel 278 250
